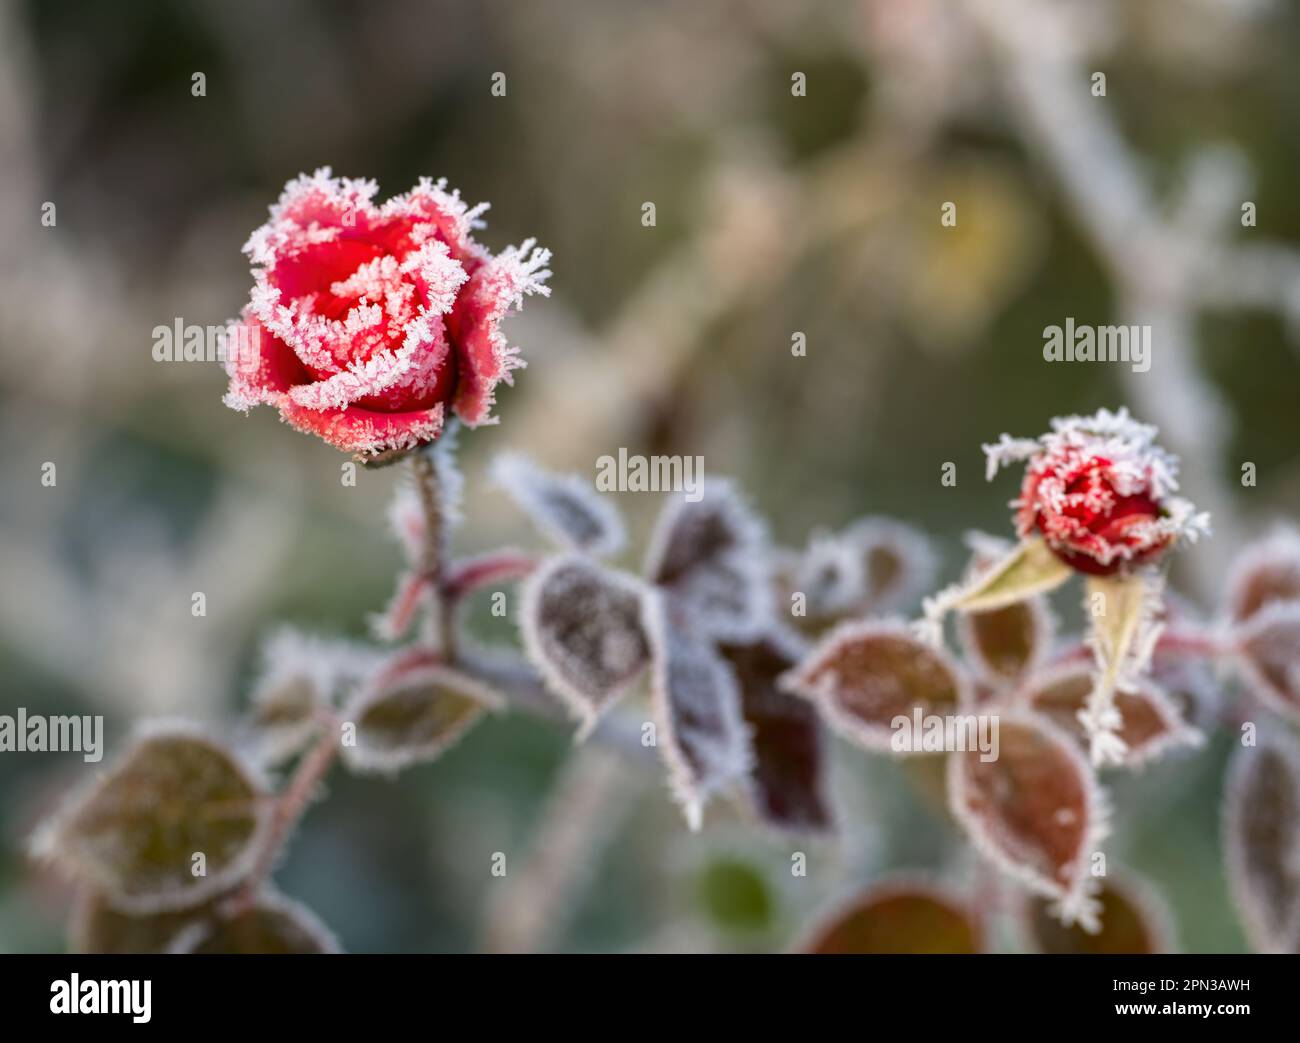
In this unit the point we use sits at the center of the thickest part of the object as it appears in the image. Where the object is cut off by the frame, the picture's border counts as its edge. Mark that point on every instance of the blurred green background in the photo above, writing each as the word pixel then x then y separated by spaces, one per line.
pixel 775 214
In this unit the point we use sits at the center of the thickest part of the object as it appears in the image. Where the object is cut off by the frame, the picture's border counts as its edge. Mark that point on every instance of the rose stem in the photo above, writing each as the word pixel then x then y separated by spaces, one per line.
pixel 290 805
pixel 426 483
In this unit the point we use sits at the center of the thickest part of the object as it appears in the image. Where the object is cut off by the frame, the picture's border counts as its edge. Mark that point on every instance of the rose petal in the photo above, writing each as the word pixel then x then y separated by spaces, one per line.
pixel 364 431
pixel 484 357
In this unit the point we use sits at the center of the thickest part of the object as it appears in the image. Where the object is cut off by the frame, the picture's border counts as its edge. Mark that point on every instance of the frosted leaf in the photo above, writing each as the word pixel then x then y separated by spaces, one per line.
pixel 787 782
pixel 1123 639
pixel 898 564
pixel 1007 643
pixel 896 917
pixel 1265 572
pixel 564 507
pixel 582 627
pixel 865 674
pixel 1268 656
pixel 1261 836
pixel 300 674
pixel 412 711
pixel 1004 644
pixel 1150 724
pixel 831 575
pixel 1036 811
pixel 712 556
pixel 1029 569
pixel 271 925
pixel 99 928
pixel 702 734
pixel 132 833
pixel 1132 919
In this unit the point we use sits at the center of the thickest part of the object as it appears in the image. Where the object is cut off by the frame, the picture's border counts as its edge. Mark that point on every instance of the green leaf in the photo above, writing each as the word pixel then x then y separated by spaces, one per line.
pixel 136 832
pixel 271 925
pixel 413 712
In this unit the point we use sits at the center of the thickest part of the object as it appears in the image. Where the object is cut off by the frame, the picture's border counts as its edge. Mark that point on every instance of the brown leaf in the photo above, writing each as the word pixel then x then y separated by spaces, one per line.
pixel 1261 836
pixel 1266 572
pixel 1133 919
pixel 788 776
pixel 1151 724
pixel 865 674
pixel 1006 644
pixel 1035 811
pixel 1269 657
pixel 898 564
pixel 896 918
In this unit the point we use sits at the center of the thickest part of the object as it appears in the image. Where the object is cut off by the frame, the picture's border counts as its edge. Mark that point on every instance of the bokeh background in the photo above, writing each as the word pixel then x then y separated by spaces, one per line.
pixel 775 214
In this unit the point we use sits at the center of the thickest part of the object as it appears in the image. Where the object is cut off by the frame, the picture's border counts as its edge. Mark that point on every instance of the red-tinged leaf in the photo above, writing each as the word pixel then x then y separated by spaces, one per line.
pixel 896 918
pixel 412 711
pixel 1150 725
pixel 865 674
pixel 1269 656
pixel 1133 920
pixel 271 925
pixel 134 832
pixel 897 564
pixel 1261 835
pixel 1035 810
pixel 788 778
pixel 712 556
pixel 701 732
pixel 1266 572
pixel 564 507
pixel 582 627
pixel 1007 644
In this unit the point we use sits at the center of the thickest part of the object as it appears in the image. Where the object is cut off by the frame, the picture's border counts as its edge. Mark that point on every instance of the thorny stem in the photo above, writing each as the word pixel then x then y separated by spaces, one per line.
pixel 290 805
pixel 425 473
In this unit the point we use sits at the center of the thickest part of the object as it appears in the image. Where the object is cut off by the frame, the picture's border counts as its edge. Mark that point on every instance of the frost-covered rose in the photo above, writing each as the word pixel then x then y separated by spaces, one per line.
pixel 1099 491
pixel 368 323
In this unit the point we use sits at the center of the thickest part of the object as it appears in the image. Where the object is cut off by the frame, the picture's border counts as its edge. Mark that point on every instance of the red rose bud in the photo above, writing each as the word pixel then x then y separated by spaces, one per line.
pixel 369 323
pixel 1099 491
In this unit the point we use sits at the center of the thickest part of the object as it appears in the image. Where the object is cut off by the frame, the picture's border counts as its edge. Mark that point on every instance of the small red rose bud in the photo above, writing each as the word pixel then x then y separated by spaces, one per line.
pixel 1099 491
